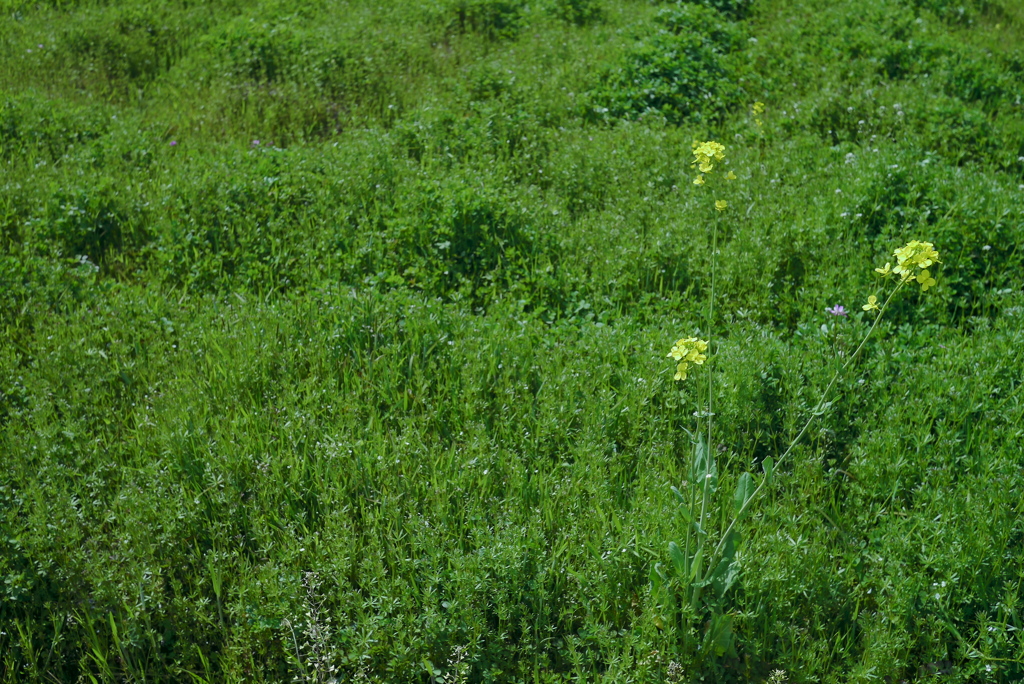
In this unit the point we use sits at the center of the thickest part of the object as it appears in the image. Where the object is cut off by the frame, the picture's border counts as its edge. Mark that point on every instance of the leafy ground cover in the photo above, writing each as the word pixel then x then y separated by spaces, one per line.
pixel 334 338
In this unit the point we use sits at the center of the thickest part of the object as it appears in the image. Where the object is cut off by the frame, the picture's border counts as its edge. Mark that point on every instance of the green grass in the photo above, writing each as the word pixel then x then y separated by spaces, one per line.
pixel 334 333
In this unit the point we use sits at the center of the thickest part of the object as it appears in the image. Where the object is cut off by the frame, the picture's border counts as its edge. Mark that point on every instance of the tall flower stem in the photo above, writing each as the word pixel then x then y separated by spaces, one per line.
pixel 711 319
pixel 706 484
pixel 818 410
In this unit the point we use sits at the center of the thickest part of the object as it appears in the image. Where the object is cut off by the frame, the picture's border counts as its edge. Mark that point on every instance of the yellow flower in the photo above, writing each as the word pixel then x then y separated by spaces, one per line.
pixel 913 255
pixel 690 348
pixel 705 152
pixel 926 280
pixel 730 176
pixel 686 351
pixel 758 108
pixel 885 270
pixel 720 205
pixel 872 304
pixel 926 255
pixel 699 180
pixel 680 372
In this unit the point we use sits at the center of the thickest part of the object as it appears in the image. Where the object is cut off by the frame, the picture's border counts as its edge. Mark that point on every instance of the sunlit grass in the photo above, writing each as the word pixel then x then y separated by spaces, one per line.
pixel 334 340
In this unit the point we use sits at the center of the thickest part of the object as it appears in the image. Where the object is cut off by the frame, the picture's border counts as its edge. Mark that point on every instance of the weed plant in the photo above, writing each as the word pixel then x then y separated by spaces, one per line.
pixel 692 591
pixel 333 340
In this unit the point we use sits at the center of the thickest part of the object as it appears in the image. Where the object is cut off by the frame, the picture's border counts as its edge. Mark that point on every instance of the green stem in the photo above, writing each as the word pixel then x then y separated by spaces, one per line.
pixel 814 414
pixel 695 598
pixel 689 525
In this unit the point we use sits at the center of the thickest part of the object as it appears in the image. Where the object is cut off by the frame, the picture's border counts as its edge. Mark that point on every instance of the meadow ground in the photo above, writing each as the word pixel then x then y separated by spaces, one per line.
pixel 334 339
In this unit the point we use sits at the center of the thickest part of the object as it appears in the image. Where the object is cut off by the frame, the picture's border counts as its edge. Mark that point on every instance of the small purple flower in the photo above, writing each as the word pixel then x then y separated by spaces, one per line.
pixel 255 143
pixel 836 310
pixel 174 143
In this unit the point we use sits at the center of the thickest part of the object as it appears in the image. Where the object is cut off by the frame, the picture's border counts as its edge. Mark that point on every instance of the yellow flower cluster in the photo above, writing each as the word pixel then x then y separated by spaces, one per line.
pixel 706 153
pixel 686 351
pixel 914 254
pixel 758 110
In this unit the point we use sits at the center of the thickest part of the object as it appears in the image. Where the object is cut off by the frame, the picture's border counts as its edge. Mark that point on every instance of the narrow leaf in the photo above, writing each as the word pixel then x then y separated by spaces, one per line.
pixel 744 490
pixel 721 635
pixel 731 542
pixel 730 578
pixel 699 467
pixel 703 583
pixel 719 572
pixel 697 560
pixel 687 516
pixel 679 496
pixel 769 467
pixel 678 558
pixel 728 570
pixel 684 507
pixel 656 577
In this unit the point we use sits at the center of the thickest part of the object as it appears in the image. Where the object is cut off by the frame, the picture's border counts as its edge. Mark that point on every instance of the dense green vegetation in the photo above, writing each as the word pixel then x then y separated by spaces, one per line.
pixel 334 333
